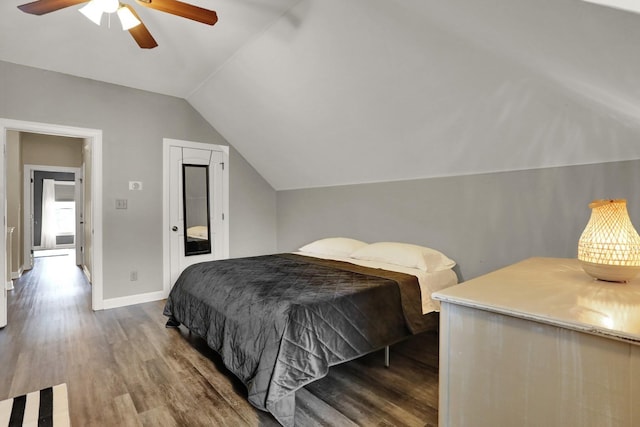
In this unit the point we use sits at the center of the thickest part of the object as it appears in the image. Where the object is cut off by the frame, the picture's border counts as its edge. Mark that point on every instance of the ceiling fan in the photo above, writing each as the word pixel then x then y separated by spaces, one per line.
pixel 128 17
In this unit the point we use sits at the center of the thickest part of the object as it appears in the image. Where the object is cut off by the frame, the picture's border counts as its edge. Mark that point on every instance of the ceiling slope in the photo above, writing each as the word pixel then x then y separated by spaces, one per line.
pixel 325 92
pixel 379 90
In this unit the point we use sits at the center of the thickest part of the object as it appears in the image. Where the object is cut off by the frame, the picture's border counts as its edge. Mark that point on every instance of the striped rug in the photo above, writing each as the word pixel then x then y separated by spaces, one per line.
pixel 48 407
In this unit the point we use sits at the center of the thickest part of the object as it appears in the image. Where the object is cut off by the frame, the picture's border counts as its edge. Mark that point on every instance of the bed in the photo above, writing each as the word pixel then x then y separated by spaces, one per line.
pixel 280 321
pixel 198 232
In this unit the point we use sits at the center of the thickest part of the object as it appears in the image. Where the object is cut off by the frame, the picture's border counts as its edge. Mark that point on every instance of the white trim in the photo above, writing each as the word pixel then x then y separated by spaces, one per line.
pixel 9 285
pixel 3 234
pixel 94 137
pixel 166 250
pixel 17 274
pixel 86 272
pixel 133 299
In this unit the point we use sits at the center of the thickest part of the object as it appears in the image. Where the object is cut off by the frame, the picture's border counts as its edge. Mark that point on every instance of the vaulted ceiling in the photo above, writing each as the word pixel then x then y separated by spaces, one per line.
pixel 331 92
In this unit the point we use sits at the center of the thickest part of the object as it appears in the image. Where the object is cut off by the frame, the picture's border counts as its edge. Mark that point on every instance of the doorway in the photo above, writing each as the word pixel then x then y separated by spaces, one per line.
pixel 93 163
pixel 53 211
pixel 195 205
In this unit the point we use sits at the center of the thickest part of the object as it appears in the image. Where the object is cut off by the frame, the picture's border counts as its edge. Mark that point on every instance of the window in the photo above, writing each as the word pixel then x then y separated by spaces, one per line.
pixel 65 218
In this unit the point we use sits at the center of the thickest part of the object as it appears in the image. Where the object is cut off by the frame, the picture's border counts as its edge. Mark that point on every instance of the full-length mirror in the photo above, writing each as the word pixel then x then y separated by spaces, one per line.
pixel 197 236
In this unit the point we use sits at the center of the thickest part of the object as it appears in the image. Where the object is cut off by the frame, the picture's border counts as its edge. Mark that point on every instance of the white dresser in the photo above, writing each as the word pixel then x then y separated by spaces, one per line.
pixel 540 343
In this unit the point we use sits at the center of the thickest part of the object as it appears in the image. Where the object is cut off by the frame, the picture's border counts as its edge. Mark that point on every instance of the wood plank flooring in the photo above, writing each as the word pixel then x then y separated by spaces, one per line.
pixel 124 368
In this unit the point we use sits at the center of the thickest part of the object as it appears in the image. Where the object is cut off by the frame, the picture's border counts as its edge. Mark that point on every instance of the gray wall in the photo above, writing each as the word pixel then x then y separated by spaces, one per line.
pixel 134 123
pixel 484 222
pixel 253 207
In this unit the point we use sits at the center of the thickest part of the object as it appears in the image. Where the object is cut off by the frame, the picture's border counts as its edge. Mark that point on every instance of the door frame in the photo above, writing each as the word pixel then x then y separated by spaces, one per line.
pixel 27 206
pixel 167 143
pixel 94 138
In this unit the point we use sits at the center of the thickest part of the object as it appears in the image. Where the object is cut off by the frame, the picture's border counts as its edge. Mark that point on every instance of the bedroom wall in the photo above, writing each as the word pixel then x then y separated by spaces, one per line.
pixel 134 123
pixel 483 222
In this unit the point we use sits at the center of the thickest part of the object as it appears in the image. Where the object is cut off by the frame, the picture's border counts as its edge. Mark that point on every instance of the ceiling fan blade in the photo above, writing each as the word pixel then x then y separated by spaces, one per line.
pixel 41 7
pixel 184 10
pixel 140 34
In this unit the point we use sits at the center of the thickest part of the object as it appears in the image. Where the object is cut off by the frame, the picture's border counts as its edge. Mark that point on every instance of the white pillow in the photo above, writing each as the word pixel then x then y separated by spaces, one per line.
pixel 405 254
pixel 333 246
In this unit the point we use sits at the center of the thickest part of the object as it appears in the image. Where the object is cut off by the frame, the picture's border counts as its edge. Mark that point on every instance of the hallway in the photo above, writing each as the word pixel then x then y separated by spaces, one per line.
pixel 46 310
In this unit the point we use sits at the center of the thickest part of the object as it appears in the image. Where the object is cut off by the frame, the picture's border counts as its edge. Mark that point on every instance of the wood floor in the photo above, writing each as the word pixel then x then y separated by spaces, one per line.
pixel 124 368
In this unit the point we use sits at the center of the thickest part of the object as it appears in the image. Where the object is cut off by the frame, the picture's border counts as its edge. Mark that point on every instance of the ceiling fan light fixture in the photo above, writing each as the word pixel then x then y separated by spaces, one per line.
pixel 93 11
pixel 108 6
pixel 127 18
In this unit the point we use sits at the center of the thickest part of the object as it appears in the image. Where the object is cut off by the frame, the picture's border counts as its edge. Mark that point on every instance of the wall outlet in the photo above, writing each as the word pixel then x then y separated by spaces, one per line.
pixel 133 276
pixel 121 203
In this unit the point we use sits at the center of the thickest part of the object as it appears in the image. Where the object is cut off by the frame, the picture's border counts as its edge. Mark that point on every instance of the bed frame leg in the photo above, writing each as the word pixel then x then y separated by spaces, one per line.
pixel 172 323
pixel 386 357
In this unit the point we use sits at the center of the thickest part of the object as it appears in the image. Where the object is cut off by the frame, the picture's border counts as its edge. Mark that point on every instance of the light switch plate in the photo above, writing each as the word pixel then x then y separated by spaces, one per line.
pixel 135 185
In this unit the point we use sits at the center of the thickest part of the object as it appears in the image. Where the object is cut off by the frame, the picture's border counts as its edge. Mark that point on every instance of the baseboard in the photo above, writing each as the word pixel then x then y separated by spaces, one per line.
pixel 17 274
pixel 132 299
pixel 9 285
pixel 86 272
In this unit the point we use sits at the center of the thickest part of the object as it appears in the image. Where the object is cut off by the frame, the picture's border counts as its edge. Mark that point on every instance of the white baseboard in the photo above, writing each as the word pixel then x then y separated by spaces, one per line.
pixel 17 274
pixel 86 272
pixel 9 285
pixel 132 299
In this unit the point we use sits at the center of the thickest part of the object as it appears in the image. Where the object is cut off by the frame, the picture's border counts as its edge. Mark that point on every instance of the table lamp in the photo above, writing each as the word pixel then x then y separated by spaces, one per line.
pixel 609 247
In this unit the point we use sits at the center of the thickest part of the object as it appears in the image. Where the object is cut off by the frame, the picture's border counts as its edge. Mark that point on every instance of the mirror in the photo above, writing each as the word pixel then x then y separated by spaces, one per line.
pixel 195 194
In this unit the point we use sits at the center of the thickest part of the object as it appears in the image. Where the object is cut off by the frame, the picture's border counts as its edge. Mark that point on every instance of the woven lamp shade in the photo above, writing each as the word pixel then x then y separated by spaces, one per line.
pixel 609 248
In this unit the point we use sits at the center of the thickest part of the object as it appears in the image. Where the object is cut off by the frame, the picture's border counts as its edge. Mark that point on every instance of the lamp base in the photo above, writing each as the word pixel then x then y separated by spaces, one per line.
pixel 610 273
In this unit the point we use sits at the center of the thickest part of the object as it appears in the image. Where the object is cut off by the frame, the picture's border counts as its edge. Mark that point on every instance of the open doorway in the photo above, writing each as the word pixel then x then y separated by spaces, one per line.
pixel 92 207
pixel 53 213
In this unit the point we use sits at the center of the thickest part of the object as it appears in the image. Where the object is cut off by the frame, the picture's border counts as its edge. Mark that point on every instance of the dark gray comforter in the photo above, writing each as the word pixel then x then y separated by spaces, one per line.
pixel 280 321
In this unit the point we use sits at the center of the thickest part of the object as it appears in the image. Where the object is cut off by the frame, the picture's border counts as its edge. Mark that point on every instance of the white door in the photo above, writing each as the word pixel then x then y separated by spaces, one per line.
pixel 196 207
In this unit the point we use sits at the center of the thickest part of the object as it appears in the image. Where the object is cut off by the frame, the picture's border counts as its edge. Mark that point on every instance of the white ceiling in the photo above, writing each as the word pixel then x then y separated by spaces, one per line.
pixel 331 92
